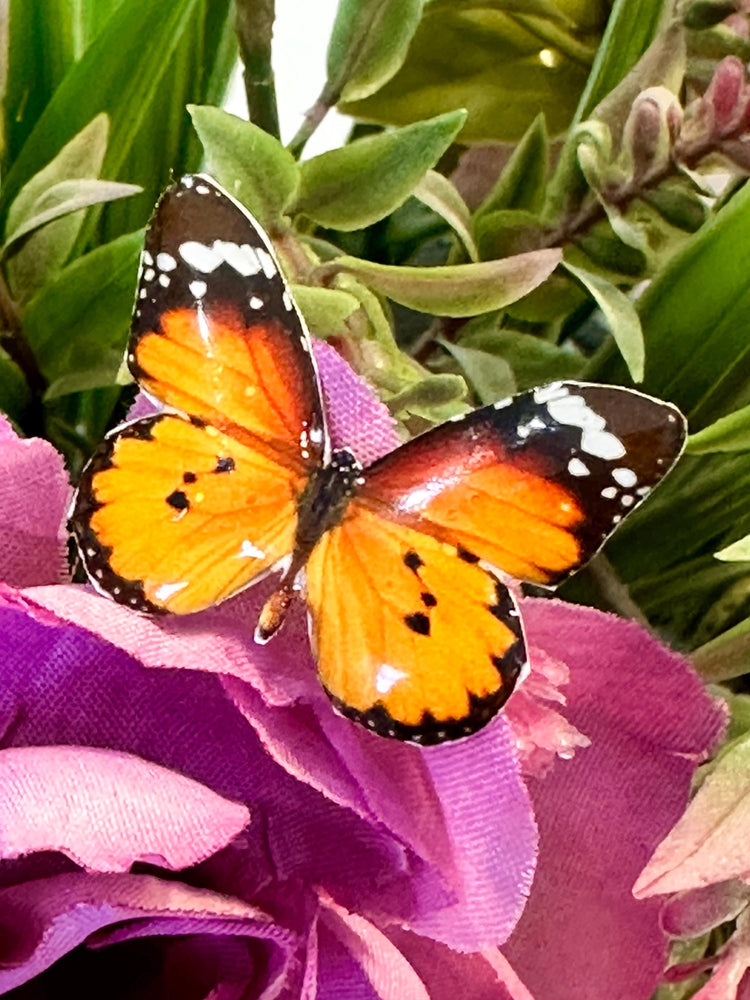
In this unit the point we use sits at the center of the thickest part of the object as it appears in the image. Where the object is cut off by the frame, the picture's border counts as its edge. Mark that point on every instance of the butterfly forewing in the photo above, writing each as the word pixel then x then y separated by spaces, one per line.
pixel 534 484
pixel 178 511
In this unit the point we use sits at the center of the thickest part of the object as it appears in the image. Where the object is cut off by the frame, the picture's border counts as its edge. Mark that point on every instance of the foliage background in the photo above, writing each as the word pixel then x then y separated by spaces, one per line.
pixel 533 189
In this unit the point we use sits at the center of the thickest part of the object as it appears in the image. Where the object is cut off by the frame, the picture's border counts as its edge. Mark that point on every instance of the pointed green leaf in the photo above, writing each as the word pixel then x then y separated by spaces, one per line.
pixel 441 196
pixel 326 310
pixel 532 361
pixel 490 377
pixel 429 396
pixel 368 44
pixel 522 179
pixel 737 551
pixel 509 231
pixel 730 433
pixel 621 316
pixel 459 290
pixel 78 324
pixel 252 165
pixel 352 187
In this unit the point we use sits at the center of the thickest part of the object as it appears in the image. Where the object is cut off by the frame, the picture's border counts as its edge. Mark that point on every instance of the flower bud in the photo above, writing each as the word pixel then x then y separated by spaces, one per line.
pixel 727 95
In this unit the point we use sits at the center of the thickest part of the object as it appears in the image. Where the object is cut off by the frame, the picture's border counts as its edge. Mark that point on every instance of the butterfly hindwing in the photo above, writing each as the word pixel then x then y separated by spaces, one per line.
pixel 411 640
pixel 180 510
pixel 534 484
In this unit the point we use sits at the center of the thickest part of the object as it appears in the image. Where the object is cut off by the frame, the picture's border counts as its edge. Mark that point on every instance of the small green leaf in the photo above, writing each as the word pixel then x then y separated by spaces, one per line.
pixel 738 551
pixel 509 231
pixel 352 187
pixel 681 208
pixel 456 290
pixel 621 316
pixel 730 433
pixel 522 180
pixel 65 197
pixel 252 165
pixel 532 361
pixel 490 377
pixel 441 196
pixel 326 310
pixel 705 13
pixel 368 45
pixel 430 397
pixel 77 325
pixel 609 254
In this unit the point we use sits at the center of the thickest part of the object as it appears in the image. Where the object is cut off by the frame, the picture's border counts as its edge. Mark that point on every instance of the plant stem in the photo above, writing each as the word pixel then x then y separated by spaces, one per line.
pixel 14 343
pixel 614 590
pixel 328 97
pixel 254 25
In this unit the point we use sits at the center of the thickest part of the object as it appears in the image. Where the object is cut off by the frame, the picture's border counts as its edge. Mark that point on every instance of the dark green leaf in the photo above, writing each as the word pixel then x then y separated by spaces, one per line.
pixel 705 13
pixel 430 397
pixel 491 377
pixel 533 361
pixel 458 290
pixel 354 186
pixel 77 325
pixel 252 165
pixel 522 180
pixel 680 207
pixel 14 390
pixel 621 316
pixel 501 66
pixel 368 44
pixel 507 232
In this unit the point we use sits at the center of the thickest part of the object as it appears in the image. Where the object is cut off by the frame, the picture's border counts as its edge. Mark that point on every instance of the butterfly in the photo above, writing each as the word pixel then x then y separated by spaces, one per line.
pixel 403 563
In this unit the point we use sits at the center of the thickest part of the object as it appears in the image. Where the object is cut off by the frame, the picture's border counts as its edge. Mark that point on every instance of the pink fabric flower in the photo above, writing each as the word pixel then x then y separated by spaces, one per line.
pixel 184 812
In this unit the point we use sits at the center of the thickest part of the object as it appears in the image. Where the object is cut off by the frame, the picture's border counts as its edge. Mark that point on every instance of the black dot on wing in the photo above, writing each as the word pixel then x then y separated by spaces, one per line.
pixel 178 500
pixel 189 477
pixel 413 561
pixel 466 555
pixel 418 622
pixel 225 465
pixel 429 600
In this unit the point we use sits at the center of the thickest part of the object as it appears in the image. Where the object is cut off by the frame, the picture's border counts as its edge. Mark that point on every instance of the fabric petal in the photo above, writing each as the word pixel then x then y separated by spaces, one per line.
pixel 106 810
pixel 600 815
pixel 32 534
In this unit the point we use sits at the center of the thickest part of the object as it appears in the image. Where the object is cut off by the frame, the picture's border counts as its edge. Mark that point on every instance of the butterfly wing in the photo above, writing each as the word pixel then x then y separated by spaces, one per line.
pixel 411 640
pixel 178 511
pixel 534 484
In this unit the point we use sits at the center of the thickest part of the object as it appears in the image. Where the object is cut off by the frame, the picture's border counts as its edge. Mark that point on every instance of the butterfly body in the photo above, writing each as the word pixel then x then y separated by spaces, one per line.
pixel 404 563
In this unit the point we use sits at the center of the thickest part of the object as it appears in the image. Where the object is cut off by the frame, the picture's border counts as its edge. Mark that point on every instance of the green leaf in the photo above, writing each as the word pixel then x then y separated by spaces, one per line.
pixel 730 433
pixel 429 396
pixel 441 196
pixel 77 325
pixel 522 180
pixel 705 13
pixel 680 207
pixel 368 44
pixel 63 198
pixel 621 317
pixel 252 165
pixel 532 361
pixel 141 67
pixel 509 231
pixel 501 65
pixel 326 310
pixel 352 187
pixel 14 390
pixel 490 377
pixel 456 290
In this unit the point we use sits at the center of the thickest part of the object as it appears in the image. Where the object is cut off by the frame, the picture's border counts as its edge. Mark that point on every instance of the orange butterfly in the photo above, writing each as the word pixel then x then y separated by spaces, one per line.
pixel 415 634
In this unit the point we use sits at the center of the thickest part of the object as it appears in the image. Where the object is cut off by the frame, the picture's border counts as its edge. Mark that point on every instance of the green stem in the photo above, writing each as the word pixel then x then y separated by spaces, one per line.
pixel 328 97
pixel 254 25
pixel 614 591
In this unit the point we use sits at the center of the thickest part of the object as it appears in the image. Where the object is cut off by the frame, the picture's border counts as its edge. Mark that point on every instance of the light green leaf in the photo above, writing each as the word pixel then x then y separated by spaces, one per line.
pixel 501 65
pixel 252 165
pixel 65 197
pixel 368 44
pixel 428 396
pixel 491 377
pixel 352 187
pixel 532 361
pixel 730 433
pixel 326 310
pixel 621 316
pixel 522 179
pixel 77 325
pixel 738 551
pixel 456 290
pixel 441 196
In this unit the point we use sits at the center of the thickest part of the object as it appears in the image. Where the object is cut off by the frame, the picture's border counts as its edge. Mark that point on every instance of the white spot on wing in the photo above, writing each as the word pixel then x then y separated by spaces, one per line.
pixel 198 288
pixel 199 256
pixel 243 259
pixel 577 468
pixel 164 280
pixel 256 302
pixel 595 440
pixel 248 550
pixel 266 262
pixel 625 477
pixel 168 589
pixel 149 274
pixel 555 390
pixel 147 258
pixel 287 299
pixel 165 261
pixel 386 677
pixel 609 492
pixel 202 189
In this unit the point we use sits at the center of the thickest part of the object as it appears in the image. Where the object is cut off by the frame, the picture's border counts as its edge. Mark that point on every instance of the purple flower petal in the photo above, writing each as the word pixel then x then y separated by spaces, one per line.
pixel 106 810
pixel 600 815
pixel 44 919
pixel 32 534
